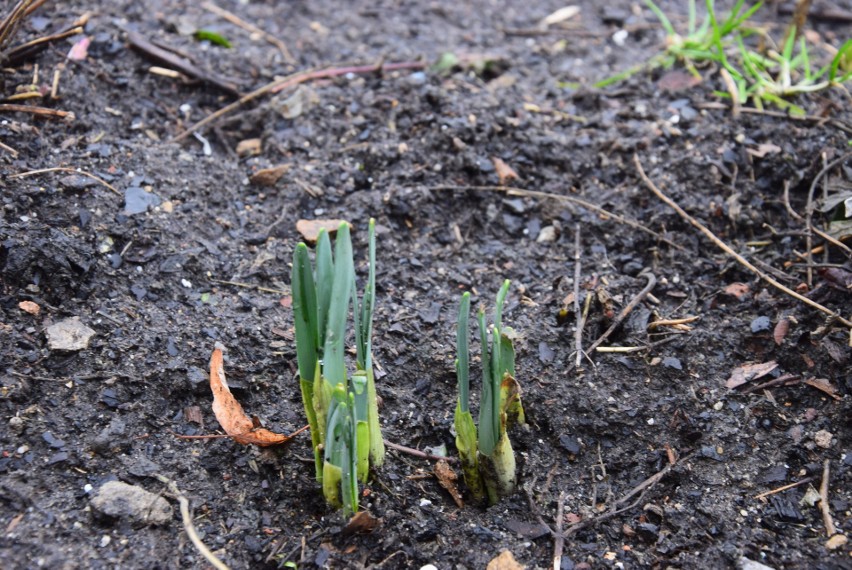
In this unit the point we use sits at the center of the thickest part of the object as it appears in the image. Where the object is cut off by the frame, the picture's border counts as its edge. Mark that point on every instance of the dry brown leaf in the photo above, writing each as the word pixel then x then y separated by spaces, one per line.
pixel 748 372
pixel 269 176
pixel 447 478
pixel 230 415
pixel 310 228
pixel 29 307
pixel 361 523
pixel 823 385
pixel 504 171
pixel 505 561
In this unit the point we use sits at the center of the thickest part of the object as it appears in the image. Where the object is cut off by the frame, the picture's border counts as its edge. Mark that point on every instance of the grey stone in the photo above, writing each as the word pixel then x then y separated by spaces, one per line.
pixel 70 334
pixel 119 500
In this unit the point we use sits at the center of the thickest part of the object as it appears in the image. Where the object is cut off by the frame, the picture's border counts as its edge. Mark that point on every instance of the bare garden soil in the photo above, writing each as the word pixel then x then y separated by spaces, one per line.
pixel 187 249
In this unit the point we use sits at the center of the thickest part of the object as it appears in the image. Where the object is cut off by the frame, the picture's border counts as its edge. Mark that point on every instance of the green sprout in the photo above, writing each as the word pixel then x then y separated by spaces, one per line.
pixel 762 78
pixel 488 461
pixel 341 408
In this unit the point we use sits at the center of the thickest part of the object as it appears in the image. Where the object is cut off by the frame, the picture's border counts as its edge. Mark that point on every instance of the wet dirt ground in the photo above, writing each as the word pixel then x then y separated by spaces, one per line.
pixel 189 250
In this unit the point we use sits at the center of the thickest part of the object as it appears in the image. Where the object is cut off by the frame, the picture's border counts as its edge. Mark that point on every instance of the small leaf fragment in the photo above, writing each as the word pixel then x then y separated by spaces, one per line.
pixel 212 37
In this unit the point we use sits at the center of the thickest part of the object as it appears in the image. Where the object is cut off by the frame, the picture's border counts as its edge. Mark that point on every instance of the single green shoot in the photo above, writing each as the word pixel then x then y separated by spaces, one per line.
pixel 466 441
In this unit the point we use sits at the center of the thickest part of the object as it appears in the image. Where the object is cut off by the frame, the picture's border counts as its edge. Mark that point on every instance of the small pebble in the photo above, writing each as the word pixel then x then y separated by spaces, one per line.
pixel 823 438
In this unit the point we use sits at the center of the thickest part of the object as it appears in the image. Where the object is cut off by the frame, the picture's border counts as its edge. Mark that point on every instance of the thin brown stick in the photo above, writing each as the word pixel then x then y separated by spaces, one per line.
pixel 37 45
pixel 823 503
pixel 513 191
pixel 727 249
pixel 809 210
pixel 639 489
pixel 38 111
pixel 249 286
pixel 732 91
pixel 652 281
pixel 188 526
pixel 291 81
pixel 559 538
pixel 9 149
pixel 800 18
pixel 237 21
pixel 418 453
pixel 842 125
pixel 179 63
pixel 783 488
pixel 578 319
pixel 72 170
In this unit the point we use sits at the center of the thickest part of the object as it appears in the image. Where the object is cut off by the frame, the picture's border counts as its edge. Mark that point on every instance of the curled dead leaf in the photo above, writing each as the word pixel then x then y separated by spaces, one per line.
pixel 361 523
pixel 447 478
pixel 230 415
pixel 748 372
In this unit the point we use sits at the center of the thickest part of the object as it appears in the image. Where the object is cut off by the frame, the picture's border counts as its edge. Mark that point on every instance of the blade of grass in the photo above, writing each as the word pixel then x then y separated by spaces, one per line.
pixel 324 280
pixel 334 365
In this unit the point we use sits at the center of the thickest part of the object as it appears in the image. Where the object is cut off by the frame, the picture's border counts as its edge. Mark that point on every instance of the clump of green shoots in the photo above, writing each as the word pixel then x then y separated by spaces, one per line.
pixel 765 77
pixel 341 407
pixel 487 458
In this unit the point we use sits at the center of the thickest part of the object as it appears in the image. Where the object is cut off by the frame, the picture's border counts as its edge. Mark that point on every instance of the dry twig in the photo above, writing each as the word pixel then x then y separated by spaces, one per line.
pixel 578 319
pixel 830 530
pixel 45 112
pixel 559 538
pixel 291 81
pixel 188 526
pixel 727 249
pixel 418 453
pixel 72 170
pixel 513 191
pixel 783 488
pixel 234 19
pixel 652 281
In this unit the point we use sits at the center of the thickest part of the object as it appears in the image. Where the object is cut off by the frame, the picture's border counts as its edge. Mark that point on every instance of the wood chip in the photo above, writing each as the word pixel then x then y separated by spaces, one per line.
pixel 505 561
pixel 29 307
pixel 504 171
pixel 738 290
pixel 249 147
pixel 269 176
pixel 781 330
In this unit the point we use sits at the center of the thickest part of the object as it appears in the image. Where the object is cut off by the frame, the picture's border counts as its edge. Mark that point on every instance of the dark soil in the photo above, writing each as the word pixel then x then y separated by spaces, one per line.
pixel 209 261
